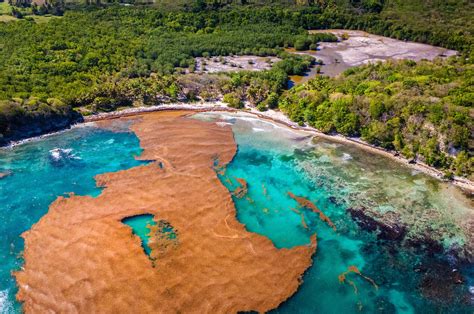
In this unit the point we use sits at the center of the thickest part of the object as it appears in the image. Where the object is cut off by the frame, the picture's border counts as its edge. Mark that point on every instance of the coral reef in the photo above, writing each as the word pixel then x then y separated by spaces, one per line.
pixel 388 226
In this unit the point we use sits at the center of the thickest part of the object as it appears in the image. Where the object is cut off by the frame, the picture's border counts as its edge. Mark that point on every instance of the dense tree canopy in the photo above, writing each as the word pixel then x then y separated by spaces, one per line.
pixel 421 110
pixel 103 58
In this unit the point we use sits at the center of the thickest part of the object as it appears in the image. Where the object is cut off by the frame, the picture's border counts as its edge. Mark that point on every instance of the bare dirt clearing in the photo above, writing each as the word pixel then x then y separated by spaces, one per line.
pixel 234 63
pixel 362 48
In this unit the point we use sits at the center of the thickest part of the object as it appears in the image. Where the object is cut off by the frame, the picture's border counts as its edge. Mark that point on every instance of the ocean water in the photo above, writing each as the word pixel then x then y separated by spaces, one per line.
pixel 274 161
pixel 42 170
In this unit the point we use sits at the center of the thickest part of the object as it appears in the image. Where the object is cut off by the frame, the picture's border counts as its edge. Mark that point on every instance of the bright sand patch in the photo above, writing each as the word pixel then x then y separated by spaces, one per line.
pixel 80 257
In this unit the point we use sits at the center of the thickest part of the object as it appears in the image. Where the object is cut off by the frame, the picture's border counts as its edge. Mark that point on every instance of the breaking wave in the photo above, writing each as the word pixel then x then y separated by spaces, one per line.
pixel 59 154
pixel 6 306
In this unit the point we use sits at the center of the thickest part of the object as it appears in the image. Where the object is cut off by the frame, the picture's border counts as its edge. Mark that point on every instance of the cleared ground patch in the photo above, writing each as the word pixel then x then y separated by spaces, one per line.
pixel 234 63
pixel 361 48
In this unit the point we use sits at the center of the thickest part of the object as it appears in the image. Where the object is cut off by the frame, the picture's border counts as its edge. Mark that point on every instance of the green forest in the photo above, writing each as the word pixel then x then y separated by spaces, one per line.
pixel 104 58
pixel 63 60
pixel 421 110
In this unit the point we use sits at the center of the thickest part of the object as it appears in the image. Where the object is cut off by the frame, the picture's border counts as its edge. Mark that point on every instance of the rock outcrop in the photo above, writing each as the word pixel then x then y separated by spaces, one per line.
pixel 22 126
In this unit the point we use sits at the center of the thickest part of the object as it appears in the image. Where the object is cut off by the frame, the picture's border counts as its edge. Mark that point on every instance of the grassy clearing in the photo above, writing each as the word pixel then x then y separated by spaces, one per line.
pixel 5 8
pixel 5 12
pixel 7 18
pixel 40 19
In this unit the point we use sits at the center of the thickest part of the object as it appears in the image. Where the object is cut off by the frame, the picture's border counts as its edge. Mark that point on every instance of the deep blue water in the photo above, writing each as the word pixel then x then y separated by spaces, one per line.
pixel 39 175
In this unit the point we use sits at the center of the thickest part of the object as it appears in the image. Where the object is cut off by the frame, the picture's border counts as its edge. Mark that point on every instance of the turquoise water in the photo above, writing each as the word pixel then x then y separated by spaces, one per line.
pixel 275 160
pixel 140 225
pixel 41 171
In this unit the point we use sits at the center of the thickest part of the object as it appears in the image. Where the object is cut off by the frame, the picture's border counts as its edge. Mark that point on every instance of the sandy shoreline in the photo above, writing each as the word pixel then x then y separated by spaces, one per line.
pixel 274 116
pixel 280 118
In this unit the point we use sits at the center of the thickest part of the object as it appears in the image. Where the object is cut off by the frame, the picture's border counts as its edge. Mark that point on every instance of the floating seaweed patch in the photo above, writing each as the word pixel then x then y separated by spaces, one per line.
pixel 353 269
pixel 163 238
pixel 305 203
pixel 4 174
pixel 220 170
pixel 157 237
pixel 265 192
pixel 217 166
pixel 295 210
pixel 241 190
pixel 303 221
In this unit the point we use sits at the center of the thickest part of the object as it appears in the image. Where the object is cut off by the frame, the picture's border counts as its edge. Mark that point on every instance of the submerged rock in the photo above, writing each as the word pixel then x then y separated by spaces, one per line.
pixel 336 201
pixel 59 157
pixel 4 174
pixel 426 243
pixel 388 225
pixel 441 283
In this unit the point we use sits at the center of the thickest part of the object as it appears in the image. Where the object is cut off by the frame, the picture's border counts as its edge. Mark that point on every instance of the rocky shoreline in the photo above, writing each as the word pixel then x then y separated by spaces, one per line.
pixel 276 117
pixel 34 127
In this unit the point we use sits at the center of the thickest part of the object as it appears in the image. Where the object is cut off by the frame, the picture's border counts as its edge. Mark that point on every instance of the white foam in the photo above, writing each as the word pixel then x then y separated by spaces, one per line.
pixel 111 141
pixel 223 124
pixel 55 154
pixel 43 136
pixel 59 153
pixel 258 130
pixel 6 306
pixel 414 172
pixel 346 156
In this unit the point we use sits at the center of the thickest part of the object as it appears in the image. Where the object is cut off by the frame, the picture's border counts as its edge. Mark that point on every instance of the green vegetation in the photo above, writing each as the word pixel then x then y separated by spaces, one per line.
pixel 440 22
pixel 102 57
pixel 71 57
pixel 446 23
pixel 420 110
pixel 5 8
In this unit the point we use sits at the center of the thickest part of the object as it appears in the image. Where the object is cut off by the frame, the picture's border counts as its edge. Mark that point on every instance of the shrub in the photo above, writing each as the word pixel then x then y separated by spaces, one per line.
pixel 233 100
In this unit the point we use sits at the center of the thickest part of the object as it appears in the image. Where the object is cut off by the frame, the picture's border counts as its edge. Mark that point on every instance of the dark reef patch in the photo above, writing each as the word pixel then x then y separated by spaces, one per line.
pixel 388 227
